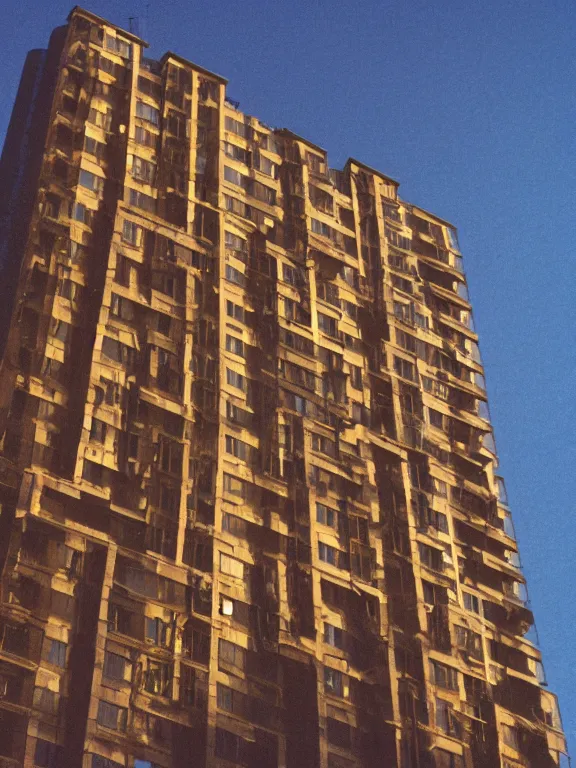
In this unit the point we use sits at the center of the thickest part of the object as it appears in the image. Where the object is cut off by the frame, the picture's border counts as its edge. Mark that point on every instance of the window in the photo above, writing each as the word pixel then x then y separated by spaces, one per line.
pixel 234 275
pixel 395 238
pixel 196 643
pixel 336 683
pixel 118 352
pixel 169 500
pixel 327 554
pixel 140 200
pixel 234 176
pixel 328 292
pixel 170 459
pixel 290 274
pixel 431 557
pixel 234 242
pixel 510 736
pixel 230 700
pixel 234 345
pixel 237 448
pixel 97 431
pixel 235 311
pixel 324 445
pixel 100 119
pixel 145 137
pixel 131 233
pixel 356 376
pixel 328 324
pixel 320 228
pixel 119 46
pixel 157 632
pixel 333 636
pixel 443 676
pixel 445 719
pixel 470 642
pixel 91 181
pixel 392 212
pixel 146 112
pixel 163 323
pixel 57 653
pixel 115 666
pixel 143 170
pixel 94 147
pixel 158 678
pixel 471 602
pixel 111 716
pixel 427 516
pixel 231 747
pixel 93 473
pixel 235 126
pixel 236 153
pixel 420 320
pixel 231 655
pixel 440 487
pixel 326 516
pixel 60 330
pixel 402 284
pixel 81 213
pixel 405 368
pixel 339 734
pixel 47 754
pixel 316 163
pixel 445 759
pixel 235 379
pixel 437 419
pixel 149 87
pixel 231 566
pixel 264 165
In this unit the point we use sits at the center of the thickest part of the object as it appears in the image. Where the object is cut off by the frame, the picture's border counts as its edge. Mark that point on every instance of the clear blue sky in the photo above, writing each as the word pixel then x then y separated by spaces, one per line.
pixel 472 107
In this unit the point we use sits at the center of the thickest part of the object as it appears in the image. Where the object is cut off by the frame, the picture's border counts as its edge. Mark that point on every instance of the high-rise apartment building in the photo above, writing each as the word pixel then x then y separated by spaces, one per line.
pixel 251 513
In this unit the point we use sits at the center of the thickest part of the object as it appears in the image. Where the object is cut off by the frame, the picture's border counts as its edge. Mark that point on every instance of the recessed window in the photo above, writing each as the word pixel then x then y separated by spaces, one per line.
pixel 235 379
pixel 143 170
pixel 326 516
pixel 437 419
pixel 444 676
pixel 471 602
pixel 235 311
pixel 234 345
pixel 114 666
pixel 510 736
pixel 333 636
pixel 119 46
pixel 405 368
pixel 111 716
pixel 91 181
pixel 146 112
pixel 234 275
pixel 327 554
pixel 336 683
pixel 131 233
pixel 57 653
pixel 237 448
pixel 230 654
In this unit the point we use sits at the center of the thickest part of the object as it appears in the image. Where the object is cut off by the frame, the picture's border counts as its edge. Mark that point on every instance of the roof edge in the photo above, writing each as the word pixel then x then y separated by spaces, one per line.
pixel 78 10
pixel 188 63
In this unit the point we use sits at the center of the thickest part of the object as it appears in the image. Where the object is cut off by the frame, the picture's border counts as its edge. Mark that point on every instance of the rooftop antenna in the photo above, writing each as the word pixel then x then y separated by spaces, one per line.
pixel 145 20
